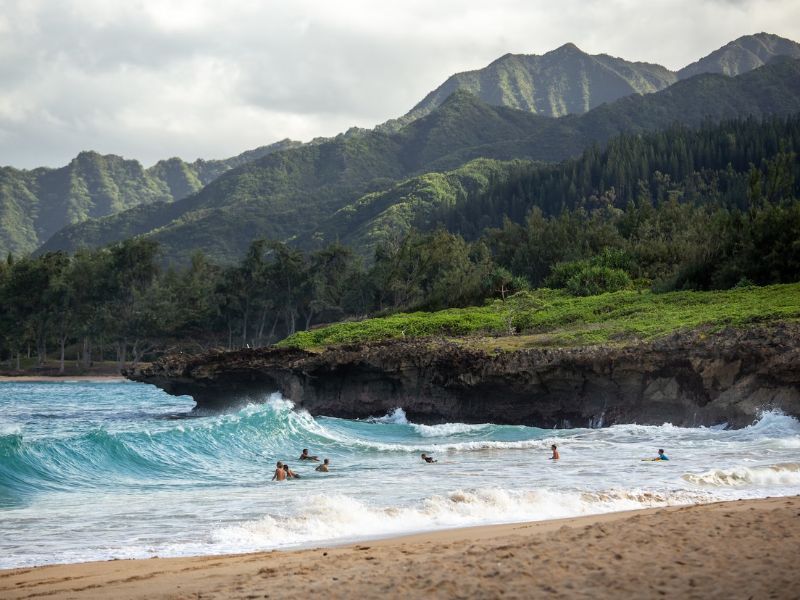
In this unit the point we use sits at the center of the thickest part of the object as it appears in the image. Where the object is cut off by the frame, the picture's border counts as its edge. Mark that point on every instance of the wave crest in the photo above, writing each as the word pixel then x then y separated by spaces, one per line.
pixel 779 474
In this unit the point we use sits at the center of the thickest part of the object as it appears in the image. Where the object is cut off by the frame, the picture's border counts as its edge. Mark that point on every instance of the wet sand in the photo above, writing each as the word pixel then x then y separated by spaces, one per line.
pixel 741 549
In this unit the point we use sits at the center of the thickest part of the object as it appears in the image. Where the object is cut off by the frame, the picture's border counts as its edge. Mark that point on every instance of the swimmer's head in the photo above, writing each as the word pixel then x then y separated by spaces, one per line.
pixel 280 464
pixel 553 447
pixel 326 461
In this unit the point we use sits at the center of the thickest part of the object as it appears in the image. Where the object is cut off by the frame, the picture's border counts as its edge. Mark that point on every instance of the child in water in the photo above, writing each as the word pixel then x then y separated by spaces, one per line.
pixel 279 474
pixel 428 459
pixel 289 473
pixel 324 466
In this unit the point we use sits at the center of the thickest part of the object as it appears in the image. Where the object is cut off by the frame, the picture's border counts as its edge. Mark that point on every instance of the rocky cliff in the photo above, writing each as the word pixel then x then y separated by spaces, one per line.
pixel 689 379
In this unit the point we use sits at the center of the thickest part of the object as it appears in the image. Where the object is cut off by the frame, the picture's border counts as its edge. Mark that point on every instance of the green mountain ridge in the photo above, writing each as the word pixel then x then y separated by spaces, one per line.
pixel 304 194
pixel 36 203
pixel 570 81
pixel 743 54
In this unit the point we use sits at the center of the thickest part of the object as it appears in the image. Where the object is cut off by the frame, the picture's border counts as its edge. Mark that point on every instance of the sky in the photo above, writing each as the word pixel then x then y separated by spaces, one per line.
pixel 151 79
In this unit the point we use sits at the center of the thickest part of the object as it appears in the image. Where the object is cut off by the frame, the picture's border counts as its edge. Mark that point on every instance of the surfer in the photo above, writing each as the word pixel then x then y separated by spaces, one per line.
pixel 555 456
pixel 323 468
pixel 305 456
pixel 428 459
pixel 280 474
pixel 289 474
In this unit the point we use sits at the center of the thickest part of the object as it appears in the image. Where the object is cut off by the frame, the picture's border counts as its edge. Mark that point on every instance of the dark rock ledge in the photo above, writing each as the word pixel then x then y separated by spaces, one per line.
pixel 688 379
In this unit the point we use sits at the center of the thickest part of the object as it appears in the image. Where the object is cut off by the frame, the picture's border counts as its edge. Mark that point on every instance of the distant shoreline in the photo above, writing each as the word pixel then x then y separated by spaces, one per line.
pixel 742 548
pixel 60 378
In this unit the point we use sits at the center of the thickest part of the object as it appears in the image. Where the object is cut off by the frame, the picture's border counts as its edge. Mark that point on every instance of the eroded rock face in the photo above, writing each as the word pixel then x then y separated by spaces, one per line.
pixel 691 379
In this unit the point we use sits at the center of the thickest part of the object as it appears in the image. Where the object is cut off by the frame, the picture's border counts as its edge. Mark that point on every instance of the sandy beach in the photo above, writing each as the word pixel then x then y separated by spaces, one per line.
pixel 60 378
pixel 740 549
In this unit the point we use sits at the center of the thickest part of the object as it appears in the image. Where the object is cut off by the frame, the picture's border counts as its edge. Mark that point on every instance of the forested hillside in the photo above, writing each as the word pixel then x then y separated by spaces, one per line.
pixel 35 204
pixel 712 208
pixel 291 195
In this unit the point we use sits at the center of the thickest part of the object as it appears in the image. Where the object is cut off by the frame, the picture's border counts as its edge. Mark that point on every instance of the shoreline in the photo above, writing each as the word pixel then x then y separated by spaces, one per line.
pixel 736 549
pixel 61 378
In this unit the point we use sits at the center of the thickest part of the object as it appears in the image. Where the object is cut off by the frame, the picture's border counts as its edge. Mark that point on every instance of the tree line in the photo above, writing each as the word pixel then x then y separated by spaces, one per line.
pixel 722 212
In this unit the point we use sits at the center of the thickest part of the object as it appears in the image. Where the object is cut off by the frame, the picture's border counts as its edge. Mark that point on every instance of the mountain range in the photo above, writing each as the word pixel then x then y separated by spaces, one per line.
pixel 300 194
pixel 335 188
pixel 570 81
pixel 36 203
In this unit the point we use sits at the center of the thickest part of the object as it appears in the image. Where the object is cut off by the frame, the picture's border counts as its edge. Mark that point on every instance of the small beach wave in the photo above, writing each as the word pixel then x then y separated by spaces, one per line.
pixel 448 429
pixel 779 474
pixel 341 517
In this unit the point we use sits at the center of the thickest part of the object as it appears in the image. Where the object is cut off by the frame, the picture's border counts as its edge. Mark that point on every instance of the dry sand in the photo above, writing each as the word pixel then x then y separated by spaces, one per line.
pixel 741 549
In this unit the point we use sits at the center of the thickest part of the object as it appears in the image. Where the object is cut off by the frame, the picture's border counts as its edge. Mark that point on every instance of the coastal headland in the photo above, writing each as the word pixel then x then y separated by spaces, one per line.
pixel 692 378
pixel 739 549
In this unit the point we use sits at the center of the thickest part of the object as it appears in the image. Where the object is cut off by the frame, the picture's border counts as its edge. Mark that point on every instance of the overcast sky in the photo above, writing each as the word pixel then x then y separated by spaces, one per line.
pixel 150 79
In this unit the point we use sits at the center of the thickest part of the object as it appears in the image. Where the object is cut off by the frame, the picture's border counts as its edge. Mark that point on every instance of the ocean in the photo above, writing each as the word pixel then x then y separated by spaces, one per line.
pixel 97 471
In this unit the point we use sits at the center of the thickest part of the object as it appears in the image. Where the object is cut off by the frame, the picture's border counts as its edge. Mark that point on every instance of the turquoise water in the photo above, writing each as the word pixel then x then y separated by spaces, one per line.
pixel 115 470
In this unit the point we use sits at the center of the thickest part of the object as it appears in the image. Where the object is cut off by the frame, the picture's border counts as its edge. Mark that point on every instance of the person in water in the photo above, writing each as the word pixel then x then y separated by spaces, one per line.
pixel 555 456
pixel 661 456
pixel 280 474
pixel 324 466
pixel 305 456
pixel 289 473
pixel 428 459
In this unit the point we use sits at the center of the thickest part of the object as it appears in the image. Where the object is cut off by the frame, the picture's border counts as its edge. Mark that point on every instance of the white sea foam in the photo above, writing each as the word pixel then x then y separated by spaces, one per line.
pixel 447 429
pixel 341 517
pixel 396 417
pixel 779 474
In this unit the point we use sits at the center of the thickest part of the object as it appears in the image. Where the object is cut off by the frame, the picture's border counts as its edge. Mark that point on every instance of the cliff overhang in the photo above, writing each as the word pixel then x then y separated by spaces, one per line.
pixel 691 378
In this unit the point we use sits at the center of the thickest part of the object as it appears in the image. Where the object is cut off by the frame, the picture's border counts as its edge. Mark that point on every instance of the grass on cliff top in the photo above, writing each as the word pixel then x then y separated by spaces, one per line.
pixel 551 318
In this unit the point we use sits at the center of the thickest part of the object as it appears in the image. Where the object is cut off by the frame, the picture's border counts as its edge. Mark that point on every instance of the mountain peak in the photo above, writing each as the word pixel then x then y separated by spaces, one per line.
pixel 743 54
pixel 566 49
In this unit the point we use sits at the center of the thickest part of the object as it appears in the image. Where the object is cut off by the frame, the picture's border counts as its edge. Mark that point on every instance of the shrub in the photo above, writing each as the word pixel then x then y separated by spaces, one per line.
pixel 592 280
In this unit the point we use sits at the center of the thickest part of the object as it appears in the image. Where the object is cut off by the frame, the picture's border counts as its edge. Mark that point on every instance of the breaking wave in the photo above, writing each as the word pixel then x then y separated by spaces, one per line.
pixel 779 474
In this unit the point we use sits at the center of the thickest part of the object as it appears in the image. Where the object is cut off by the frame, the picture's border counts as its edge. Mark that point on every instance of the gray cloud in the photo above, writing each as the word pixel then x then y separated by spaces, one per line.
pixel 149 79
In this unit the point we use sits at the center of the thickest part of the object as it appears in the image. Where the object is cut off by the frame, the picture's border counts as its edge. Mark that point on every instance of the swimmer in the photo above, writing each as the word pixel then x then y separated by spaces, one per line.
pixel 280 474
pixel 289 473
pixel 428 459
pixel 555 456
pixel 323 468
pixel 661 456
pixel 305 456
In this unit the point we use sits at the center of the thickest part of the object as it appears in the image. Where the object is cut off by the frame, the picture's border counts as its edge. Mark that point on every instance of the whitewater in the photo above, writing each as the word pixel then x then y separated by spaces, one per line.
pixel 95 471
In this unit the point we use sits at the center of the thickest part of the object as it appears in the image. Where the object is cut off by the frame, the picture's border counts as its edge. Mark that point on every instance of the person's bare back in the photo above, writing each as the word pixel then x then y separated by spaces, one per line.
pixel 280 474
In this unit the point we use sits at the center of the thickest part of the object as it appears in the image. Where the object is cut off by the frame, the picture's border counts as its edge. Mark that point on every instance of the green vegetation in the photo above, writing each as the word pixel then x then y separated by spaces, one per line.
pixel 548 317
pixel 297 195
pixel 35 204
pixel 729 218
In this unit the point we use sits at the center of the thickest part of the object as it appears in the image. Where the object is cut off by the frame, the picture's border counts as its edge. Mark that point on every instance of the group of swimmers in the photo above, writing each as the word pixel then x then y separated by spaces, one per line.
pixel 283 472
